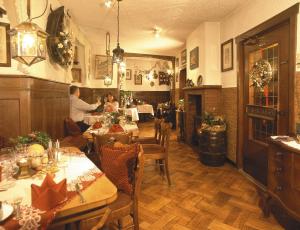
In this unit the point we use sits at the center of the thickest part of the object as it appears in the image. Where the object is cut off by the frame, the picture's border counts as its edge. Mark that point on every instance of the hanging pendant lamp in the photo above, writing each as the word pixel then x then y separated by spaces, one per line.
pixel 118 53
pixel 28 40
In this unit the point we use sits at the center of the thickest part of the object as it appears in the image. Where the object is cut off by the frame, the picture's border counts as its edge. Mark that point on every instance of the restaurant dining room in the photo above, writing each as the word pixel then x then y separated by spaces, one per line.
pixel 149 114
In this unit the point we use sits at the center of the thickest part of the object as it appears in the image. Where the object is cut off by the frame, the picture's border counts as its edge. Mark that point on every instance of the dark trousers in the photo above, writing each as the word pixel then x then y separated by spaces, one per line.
pixel 83 126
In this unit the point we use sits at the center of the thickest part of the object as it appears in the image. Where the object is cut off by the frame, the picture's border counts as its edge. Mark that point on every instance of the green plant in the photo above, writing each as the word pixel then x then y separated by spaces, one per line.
pixel 34 137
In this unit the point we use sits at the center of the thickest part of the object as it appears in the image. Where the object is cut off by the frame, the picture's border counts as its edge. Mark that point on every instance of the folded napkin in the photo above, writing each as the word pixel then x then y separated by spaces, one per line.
pixel 49 194
pixel 116 128
pixel 97 125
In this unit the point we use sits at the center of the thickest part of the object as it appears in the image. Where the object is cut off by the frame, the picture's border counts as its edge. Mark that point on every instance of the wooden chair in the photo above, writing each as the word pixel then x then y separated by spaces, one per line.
pixel 100 140
pixel 157 134
pixel 127 205
pixel 95 223
pixel 73 135
pixel 160 152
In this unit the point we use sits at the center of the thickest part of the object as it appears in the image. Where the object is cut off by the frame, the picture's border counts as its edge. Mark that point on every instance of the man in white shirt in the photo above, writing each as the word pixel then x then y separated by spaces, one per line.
pixel 78 108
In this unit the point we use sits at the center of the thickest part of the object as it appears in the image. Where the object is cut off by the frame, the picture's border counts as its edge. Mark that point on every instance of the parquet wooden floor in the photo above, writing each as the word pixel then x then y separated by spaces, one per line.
pixel 201 197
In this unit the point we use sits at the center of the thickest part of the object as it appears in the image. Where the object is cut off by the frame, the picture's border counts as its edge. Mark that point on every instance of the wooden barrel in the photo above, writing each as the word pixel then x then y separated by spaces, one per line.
pixel 212 147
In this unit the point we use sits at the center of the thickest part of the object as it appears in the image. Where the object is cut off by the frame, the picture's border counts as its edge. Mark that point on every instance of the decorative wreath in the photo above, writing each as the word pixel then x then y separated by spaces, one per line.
pixel 261 74
pixel 64 48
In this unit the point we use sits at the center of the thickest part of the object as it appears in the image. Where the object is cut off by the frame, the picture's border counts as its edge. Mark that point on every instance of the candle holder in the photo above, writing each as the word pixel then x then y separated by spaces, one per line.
pixel 24 169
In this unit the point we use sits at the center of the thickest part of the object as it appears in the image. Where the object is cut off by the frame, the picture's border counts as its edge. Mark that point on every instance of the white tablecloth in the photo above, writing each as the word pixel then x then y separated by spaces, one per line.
pixel 127 128
pixel 73 167
pixel 132 112
pixel 145 109
pixel 92 119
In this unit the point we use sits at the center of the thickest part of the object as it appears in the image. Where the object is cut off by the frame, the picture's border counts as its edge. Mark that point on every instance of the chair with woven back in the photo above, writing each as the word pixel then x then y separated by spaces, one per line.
pixel 160 152
pixel 157 134
pixel 126 203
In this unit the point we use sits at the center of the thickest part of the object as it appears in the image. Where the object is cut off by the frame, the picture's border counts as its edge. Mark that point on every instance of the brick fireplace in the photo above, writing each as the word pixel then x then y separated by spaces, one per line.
pixel 197 100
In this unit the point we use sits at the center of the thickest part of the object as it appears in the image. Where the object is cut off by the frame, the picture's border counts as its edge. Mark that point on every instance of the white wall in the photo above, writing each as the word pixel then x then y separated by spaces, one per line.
pixel 16 14
pixel 143 64
pixel 207 38
pixel 245 18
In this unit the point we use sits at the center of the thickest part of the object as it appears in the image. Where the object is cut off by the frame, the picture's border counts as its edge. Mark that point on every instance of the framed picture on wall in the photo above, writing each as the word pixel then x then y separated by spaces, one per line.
pixel 138 79
pixel 101 66
pixel 76 75
pixel 194 58
pixel 4 45
pixel 227 55
pixel 183 58
pixel 128 74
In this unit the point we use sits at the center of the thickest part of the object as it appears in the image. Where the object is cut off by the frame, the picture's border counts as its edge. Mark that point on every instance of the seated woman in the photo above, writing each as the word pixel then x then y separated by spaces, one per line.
pixel 111 105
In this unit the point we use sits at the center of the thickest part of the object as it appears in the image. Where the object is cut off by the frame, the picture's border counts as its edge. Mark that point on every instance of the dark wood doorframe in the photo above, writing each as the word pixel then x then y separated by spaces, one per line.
pixel 290 16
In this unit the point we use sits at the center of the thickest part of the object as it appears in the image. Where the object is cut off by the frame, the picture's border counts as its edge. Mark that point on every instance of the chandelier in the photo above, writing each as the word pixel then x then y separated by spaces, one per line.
pixel 28 40
pixel 118 53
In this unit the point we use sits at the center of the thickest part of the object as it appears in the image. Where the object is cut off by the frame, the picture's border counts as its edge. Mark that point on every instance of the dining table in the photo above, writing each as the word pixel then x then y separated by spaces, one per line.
pixel 131 112
pixel 130 127
pixel 96 189
pixel 145 108
pixel 90 119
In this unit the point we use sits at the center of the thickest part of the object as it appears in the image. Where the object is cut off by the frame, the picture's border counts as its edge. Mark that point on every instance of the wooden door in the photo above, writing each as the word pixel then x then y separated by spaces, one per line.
pixel 267 109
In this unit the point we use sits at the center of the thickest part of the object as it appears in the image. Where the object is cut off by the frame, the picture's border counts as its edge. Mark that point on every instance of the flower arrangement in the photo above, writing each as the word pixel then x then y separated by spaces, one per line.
pixel 64 49
pixel 261 74
pixel 34 137
pixel 213 123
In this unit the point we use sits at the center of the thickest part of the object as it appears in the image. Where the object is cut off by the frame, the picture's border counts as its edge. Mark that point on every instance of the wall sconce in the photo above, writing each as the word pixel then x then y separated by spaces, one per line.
pixel 28 41
pixel 107 81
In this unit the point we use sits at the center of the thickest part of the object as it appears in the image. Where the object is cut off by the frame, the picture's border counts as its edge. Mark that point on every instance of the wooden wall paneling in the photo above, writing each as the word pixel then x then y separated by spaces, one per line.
pixel 86 94
pixel 49 106
pixel 14 106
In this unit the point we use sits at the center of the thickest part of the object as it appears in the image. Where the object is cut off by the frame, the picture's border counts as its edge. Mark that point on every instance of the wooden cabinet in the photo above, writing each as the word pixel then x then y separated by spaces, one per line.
pixel 283 188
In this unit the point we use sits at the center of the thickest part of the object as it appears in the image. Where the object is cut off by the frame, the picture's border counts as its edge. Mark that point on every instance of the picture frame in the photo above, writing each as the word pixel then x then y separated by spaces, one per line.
pixel 101 66
pixel 76 75
pixel 128 74
pixel 194 58
pixel 138 79
pixel 5 55
pixel 183 58
pixel 227 55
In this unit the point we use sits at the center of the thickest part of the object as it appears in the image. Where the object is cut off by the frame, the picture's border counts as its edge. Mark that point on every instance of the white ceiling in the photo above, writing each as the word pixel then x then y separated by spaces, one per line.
pixel 176 18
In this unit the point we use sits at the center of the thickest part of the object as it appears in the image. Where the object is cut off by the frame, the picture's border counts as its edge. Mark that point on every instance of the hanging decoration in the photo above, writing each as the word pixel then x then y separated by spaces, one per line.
pixel 261 74
pixel 28 40
pixel 108 77
pixel 118 52
pixel 60 40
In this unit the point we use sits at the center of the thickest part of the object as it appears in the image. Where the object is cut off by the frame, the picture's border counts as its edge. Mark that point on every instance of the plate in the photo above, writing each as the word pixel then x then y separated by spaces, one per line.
pixel 7 210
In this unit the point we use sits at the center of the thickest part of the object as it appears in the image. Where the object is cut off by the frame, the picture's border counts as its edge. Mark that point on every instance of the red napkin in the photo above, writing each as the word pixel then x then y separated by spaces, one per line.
pixel 97 125
pixel 49 194
pixel 116 129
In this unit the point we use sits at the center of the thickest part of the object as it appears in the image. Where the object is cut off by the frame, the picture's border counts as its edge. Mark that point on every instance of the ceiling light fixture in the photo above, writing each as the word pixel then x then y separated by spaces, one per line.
pixel 118 53
pixel 108 3
pixel 28 40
